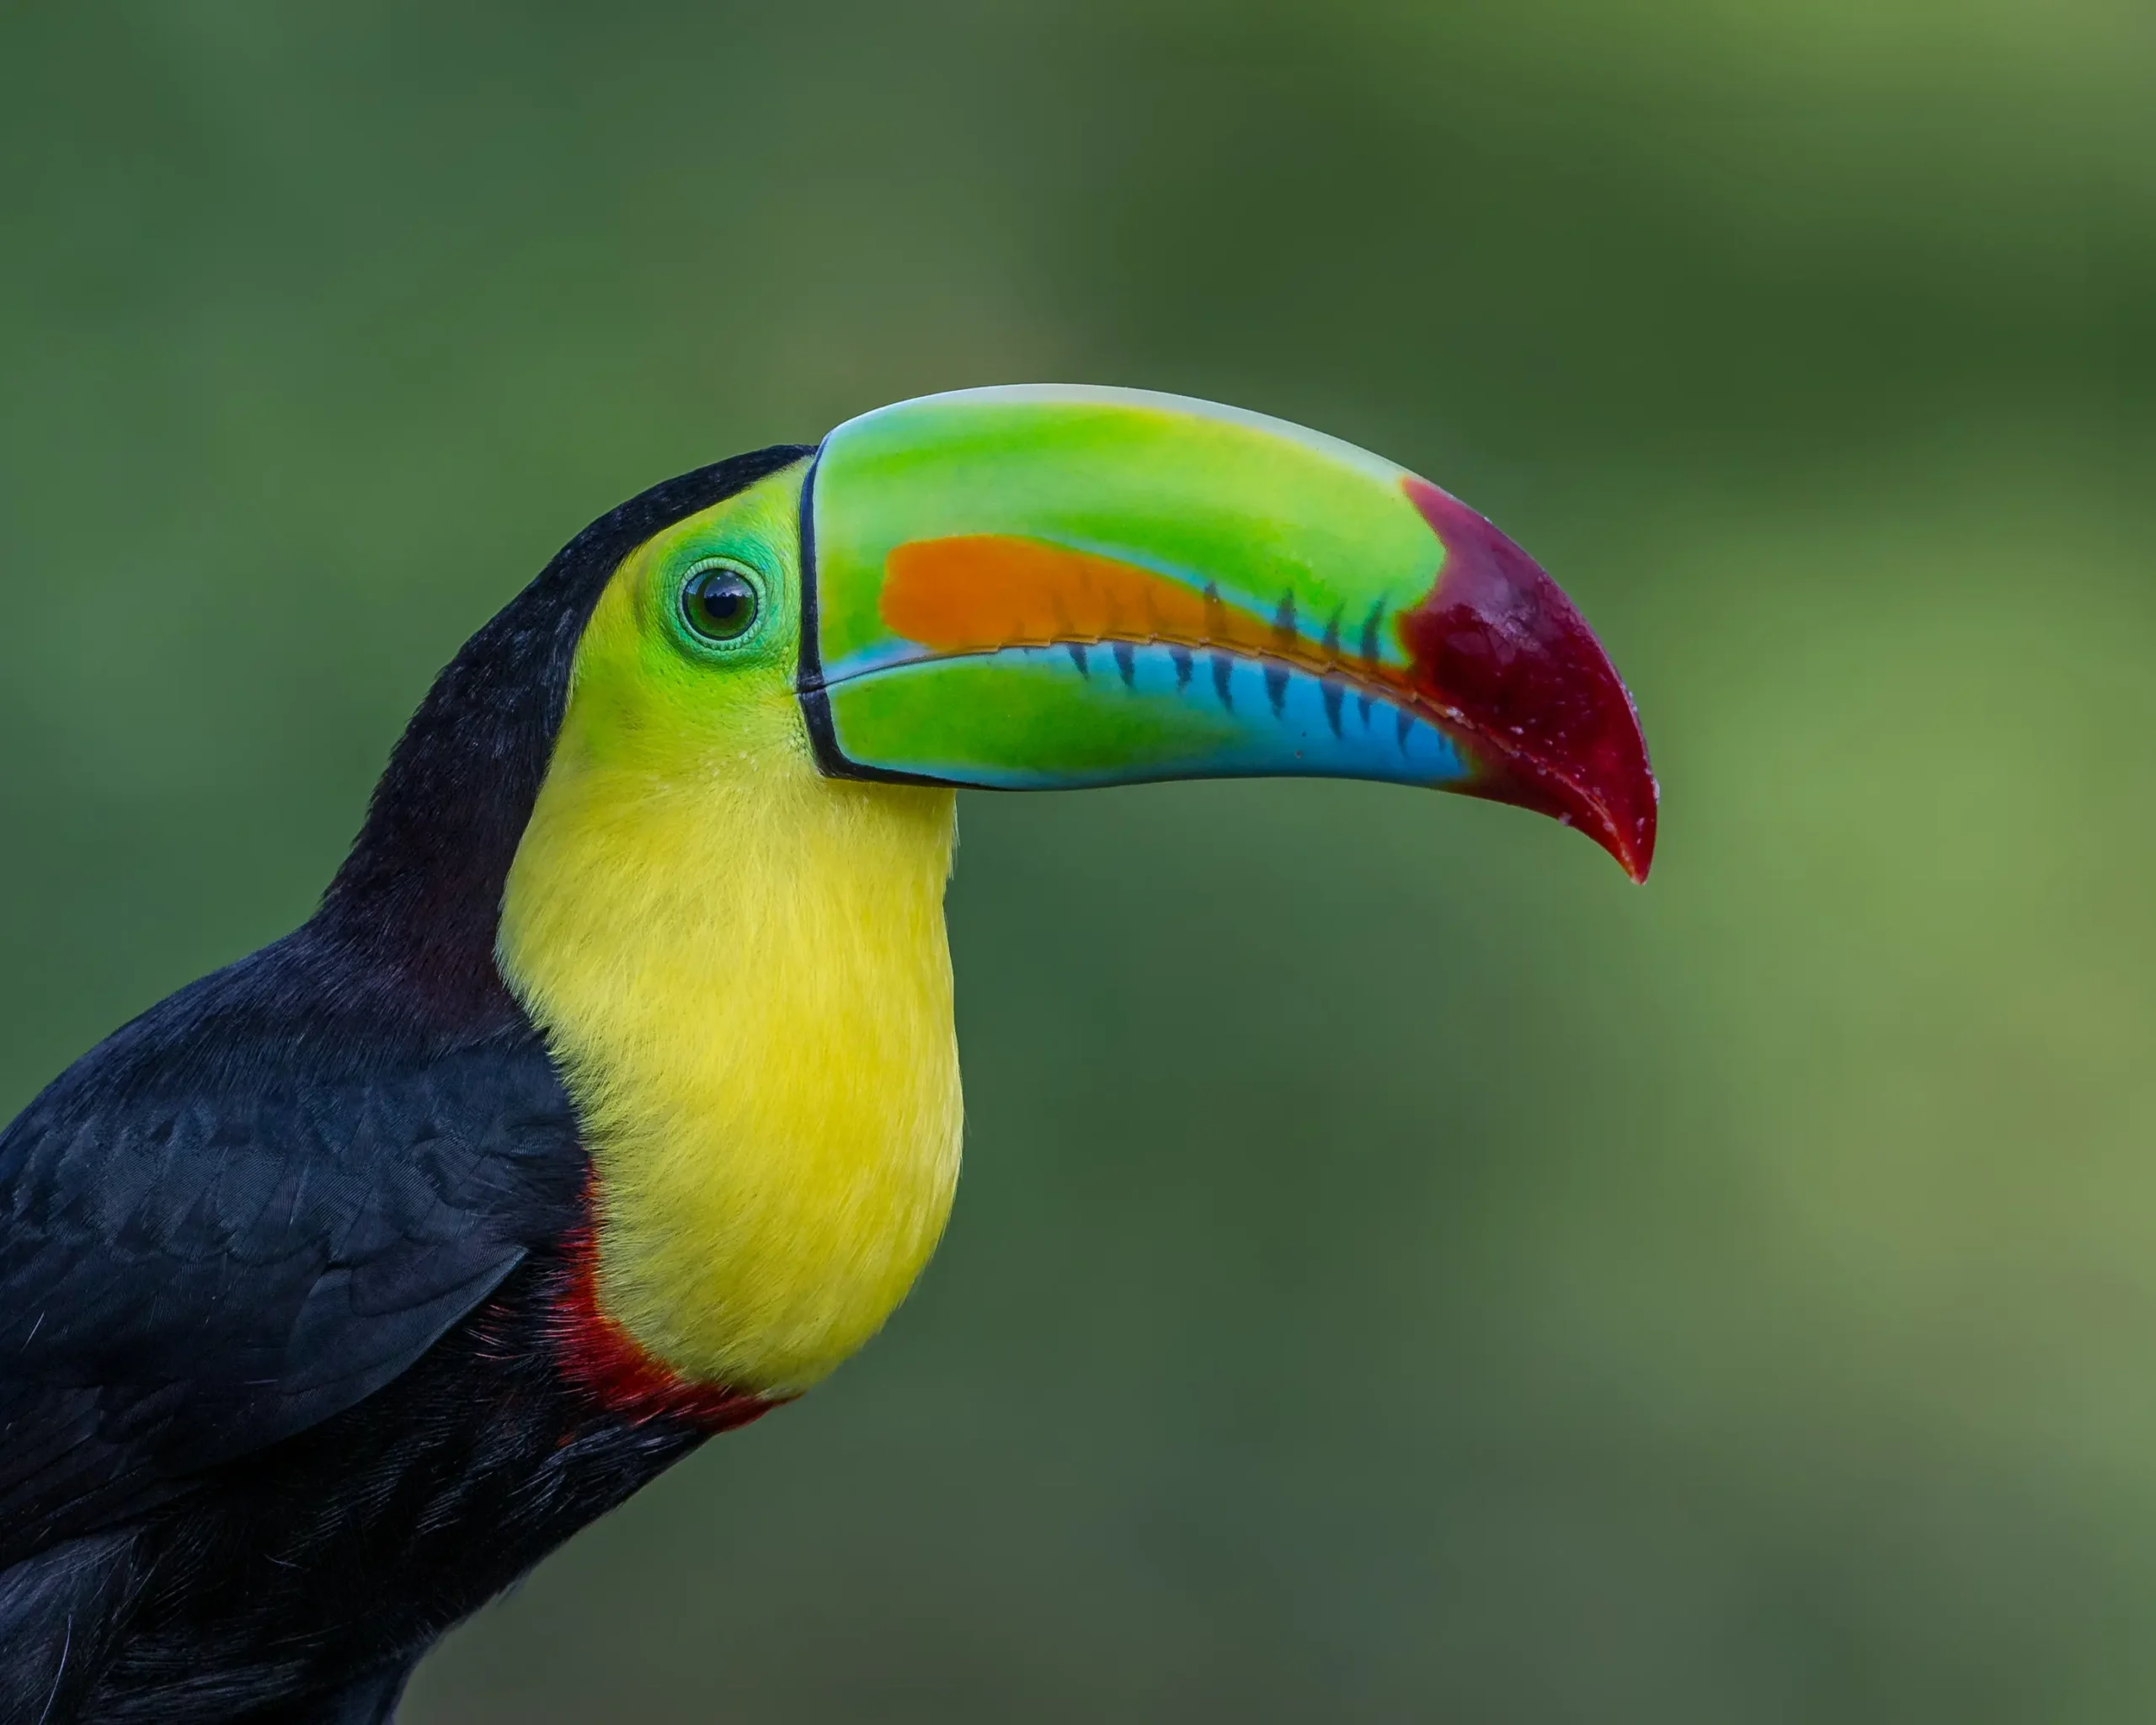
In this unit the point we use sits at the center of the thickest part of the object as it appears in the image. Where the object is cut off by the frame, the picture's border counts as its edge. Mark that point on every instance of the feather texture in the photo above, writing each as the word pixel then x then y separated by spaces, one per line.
pixel 281 1262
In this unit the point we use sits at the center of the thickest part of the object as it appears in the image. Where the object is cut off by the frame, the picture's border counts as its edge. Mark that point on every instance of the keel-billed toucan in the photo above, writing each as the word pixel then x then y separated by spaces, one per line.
pixel 610 1097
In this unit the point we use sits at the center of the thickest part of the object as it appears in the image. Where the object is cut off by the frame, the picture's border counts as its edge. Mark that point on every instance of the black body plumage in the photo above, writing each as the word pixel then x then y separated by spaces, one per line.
pixel 277 1262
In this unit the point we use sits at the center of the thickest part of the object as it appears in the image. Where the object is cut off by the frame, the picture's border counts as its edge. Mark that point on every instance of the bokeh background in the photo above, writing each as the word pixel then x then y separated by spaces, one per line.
pixel 1402 1271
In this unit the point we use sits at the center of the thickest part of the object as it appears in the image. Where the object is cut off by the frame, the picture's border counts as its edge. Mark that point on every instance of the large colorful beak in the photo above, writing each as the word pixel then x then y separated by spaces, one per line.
pixel 1046 587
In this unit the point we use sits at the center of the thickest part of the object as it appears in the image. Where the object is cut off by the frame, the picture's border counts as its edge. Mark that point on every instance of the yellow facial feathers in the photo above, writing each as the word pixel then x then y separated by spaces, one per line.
pixel 741 967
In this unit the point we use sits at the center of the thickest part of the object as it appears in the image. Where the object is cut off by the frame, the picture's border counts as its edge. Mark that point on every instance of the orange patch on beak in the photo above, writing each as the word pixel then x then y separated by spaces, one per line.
pixel 976 593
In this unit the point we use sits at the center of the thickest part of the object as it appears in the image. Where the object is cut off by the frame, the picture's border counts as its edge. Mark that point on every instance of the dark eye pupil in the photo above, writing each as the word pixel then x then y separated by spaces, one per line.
pixel 719 604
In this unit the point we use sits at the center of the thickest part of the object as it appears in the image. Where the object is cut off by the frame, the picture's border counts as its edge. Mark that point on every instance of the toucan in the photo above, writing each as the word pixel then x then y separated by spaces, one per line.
pixel 609 1098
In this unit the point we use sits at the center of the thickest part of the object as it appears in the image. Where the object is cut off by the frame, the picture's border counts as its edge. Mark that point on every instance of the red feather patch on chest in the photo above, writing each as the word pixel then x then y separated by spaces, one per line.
pixel 603 1360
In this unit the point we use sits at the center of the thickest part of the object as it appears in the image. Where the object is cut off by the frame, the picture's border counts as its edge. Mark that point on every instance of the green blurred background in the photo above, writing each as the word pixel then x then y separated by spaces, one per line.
pixel 1537 1300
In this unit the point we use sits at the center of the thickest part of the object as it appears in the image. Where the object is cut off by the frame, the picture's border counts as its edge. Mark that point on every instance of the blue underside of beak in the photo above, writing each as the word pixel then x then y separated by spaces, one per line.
pixel 1158 711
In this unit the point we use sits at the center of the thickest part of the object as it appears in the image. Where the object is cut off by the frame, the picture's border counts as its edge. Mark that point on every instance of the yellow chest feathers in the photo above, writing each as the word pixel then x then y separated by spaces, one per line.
pixel 753 1009
pixel 741 967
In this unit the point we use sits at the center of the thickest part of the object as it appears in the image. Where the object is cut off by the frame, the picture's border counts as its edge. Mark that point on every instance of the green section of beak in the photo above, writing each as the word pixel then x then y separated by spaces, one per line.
pixel 1043 587
pixel 1198 492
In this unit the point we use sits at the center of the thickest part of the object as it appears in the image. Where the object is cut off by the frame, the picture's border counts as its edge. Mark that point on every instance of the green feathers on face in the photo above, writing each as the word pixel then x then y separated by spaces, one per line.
pixel 689 655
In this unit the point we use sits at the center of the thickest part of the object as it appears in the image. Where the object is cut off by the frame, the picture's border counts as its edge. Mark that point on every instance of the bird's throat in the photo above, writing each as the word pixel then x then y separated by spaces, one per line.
pixel 743 974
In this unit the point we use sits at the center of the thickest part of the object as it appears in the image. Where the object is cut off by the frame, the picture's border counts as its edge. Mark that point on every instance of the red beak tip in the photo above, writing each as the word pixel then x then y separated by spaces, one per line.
pixel 1638 864
pixel 1497 641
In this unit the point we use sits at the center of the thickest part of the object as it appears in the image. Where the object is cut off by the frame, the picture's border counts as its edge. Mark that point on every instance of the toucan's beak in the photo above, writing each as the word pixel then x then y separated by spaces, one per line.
pixel 1045 587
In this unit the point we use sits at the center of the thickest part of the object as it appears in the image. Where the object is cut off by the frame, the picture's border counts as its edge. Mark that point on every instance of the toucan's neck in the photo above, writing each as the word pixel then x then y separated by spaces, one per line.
pixel 747 987
pixel 418 895
pixel 418 898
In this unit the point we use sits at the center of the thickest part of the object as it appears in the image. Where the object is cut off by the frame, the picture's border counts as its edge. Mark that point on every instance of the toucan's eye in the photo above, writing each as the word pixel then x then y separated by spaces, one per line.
pixel 719 604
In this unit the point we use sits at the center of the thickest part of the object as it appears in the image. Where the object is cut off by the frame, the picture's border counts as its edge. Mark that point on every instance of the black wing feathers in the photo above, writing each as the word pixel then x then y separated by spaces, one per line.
pixel 243 1214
